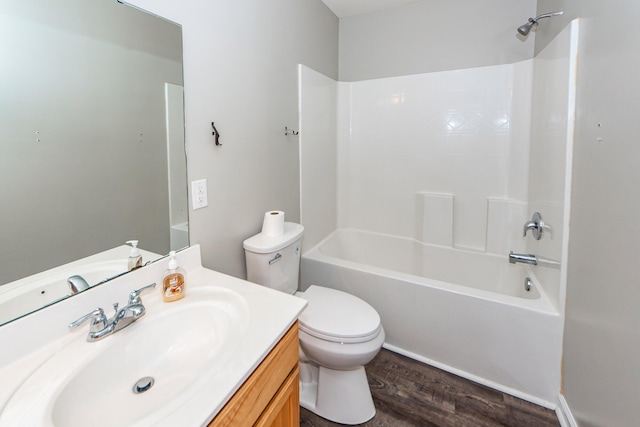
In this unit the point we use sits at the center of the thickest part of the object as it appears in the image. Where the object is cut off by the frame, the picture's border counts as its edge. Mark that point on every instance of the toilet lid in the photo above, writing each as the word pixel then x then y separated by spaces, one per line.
pixel 337 316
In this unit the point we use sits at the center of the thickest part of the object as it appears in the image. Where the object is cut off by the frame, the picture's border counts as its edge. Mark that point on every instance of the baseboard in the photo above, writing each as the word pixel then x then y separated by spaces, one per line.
pixel 474 378
pixel 564 413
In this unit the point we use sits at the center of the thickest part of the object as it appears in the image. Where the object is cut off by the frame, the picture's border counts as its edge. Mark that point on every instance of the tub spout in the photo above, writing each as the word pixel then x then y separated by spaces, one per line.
pixel 523 258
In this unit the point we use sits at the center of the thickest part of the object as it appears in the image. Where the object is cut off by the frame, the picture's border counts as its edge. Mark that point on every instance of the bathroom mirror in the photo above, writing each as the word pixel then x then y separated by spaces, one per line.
pixel 92 136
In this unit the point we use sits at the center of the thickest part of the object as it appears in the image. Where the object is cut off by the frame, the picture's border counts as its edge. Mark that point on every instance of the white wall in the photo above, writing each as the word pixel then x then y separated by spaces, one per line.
pixel 433 35
pixel 240 68
pixel 601 341
pixel 428 150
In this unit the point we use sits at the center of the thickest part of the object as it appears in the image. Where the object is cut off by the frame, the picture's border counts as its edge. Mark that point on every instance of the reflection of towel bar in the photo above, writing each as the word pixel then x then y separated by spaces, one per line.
pixel 275 258
pixel 288 131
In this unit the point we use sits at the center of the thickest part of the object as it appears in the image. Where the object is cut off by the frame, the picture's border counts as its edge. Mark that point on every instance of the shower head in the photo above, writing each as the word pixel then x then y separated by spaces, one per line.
pixel 525 28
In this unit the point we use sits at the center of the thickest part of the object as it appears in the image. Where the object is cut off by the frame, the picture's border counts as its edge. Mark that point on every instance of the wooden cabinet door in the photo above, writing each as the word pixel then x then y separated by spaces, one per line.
pixel 284 409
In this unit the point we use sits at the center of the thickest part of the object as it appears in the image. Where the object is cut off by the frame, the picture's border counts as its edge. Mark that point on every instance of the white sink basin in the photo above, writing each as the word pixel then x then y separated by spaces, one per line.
pixel 181 345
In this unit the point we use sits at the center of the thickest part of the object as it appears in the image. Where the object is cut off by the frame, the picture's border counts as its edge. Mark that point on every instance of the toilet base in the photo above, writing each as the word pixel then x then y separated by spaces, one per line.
pixel 340 396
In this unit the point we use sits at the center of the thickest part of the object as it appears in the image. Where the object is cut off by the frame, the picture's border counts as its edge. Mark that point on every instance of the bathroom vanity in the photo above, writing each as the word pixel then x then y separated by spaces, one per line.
pixel 271 396
pixel 224 355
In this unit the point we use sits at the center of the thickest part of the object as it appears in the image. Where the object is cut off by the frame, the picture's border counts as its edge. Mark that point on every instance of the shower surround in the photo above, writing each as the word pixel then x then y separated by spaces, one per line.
pixel 426 156
pixel 456 160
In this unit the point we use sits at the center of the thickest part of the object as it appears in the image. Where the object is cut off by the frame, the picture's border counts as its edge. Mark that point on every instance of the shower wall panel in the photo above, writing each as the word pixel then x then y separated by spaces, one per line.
pixel 462 133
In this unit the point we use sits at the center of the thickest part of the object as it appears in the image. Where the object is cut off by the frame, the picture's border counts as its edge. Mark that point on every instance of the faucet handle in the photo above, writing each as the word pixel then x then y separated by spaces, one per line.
pixel 134 296
pixel 98 320
pixel 536 225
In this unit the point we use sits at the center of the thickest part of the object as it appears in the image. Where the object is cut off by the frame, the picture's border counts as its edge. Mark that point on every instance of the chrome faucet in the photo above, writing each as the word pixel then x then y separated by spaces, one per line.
pixel 101 327
pixel 536 225
pixel 77 284
pixel 523 258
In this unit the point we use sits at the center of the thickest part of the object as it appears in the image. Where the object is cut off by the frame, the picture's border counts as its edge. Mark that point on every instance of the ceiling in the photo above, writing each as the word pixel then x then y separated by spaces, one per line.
pixel 356 7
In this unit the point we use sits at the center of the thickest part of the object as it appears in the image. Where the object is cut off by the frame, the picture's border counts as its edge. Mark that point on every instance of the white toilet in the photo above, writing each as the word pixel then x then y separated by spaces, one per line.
pixel 339 333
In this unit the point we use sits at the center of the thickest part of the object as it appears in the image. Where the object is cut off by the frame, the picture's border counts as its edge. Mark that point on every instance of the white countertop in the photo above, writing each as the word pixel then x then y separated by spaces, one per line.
pixel 30 342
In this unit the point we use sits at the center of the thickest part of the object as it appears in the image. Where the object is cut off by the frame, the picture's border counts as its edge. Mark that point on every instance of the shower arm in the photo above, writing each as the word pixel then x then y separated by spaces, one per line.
pixel 533 22
pixel 545 15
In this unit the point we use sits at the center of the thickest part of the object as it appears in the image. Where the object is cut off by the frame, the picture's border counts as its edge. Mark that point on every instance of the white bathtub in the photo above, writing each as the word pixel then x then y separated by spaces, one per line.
pixel 462 311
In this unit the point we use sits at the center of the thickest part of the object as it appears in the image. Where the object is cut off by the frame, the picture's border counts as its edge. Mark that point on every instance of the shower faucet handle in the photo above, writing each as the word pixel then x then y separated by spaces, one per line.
pixel 536 225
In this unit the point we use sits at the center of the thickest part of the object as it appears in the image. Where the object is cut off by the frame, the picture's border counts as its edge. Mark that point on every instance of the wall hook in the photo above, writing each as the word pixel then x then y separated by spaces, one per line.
pixel 288 131
pixel 216 135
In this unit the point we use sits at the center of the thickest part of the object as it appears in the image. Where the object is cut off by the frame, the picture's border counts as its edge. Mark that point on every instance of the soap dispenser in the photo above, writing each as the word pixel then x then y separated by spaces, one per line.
pixel 135 259
pixel 173 282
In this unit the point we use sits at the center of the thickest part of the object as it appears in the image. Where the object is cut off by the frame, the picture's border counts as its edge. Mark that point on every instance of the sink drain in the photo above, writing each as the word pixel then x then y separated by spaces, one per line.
pixel 143 384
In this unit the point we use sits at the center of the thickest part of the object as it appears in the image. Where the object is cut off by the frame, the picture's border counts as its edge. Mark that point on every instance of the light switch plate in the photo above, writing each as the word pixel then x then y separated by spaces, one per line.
pixel 199 193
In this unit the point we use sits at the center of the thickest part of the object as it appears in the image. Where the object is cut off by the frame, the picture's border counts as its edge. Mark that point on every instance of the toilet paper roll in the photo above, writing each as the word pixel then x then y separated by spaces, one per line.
pixel 273 224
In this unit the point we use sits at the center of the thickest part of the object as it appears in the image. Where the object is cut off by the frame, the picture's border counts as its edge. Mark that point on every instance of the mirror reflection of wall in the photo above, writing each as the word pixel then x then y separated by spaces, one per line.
pixel 177 167
pixel 84 137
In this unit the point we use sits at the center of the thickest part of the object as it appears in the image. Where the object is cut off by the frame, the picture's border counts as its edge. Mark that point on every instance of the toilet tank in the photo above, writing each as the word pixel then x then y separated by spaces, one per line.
pixel 275 261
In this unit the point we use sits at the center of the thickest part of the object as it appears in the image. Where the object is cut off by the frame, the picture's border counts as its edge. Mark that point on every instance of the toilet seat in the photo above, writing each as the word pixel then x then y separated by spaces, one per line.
pixel 336 316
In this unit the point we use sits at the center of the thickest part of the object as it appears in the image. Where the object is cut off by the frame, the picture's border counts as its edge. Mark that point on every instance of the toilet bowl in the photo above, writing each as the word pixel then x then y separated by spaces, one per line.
pixel 338 332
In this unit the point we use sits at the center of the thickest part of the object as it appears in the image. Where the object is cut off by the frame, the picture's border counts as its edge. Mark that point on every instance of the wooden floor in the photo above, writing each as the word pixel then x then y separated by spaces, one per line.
pixel 410 393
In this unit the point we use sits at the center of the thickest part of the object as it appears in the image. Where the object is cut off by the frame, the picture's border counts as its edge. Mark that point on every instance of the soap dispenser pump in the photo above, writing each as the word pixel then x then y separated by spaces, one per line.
pixel 135 259
pixel 173 282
